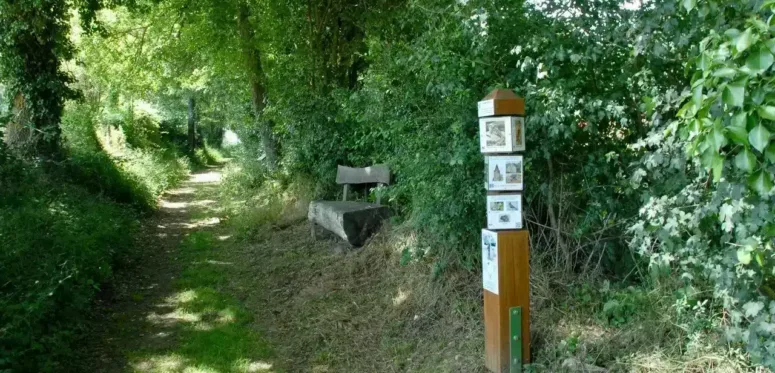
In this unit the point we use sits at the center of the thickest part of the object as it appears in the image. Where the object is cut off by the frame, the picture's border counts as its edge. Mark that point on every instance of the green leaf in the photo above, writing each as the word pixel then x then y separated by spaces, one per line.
pixel 760 182
pixel 770 153
pixel 767 112
pixel 759 24
pixel 744 256
pixel 718 167
pixel 738 134
pixel 718 139
pixel 752 309
pixel 770 44
pixel 759 61
pixel 732 33
pixel 725 72
pixel 739 119
pixel 697 96
pixel 745 160
pixel 733 95
pixel 737 130
pixel 744 40
pixel 687 111
pixel 697 80
pixel 759 137
pixel 705 62
pixel 689 5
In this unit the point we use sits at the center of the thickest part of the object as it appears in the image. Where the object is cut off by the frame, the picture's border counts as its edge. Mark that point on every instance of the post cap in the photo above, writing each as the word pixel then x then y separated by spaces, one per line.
pixel 501 102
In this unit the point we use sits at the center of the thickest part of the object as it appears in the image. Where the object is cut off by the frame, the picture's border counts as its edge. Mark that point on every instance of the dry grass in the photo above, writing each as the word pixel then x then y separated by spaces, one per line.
pixel 328 308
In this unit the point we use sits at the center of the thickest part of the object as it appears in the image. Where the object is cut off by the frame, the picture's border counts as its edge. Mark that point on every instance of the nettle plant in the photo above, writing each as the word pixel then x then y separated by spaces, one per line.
pixel 712 212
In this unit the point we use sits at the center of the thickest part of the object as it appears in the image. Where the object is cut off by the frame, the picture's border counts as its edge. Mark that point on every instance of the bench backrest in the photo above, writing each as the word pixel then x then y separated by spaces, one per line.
pixel 376 174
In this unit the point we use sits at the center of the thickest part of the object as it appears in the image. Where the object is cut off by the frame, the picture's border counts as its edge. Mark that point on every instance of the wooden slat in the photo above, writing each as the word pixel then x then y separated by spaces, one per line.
pixel 375 174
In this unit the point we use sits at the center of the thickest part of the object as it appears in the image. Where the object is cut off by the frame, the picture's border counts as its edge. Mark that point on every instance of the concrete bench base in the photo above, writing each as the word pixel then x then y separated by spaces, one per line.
pixel 354 222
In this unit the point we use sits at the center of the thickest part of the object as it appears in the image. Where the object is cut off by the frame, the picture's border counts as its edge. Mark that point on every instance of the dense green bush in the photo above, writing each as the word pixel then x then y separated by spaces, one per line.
pixel 709 175
pixel 57 245
pixel 413 106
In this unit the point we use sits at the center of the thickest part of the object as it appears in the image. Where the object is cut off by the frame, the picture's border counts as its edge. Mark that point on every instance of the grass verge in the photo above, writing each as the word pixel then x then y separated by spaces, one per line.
pixel 328 308
pixel 211 326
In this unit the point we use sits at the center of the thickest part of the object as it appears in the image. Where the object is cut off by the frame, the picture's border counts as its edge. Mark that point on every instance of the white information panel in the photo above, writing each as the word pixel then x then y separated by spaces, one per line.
pixel 504 172
pixel 502 134
pixel 504 211
pixel 486 108
pixel 490 261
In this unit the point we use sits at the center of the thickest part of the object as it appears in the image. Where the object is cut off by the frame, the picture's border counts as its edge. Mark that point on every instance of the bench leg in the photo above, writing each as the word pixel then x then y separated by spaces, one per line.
pixel 312 230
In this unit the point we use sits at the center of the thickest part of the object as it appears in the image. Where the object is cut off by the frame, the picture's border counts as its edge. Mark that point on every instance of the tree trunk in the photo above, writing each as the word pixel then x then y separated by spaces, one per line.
pixel 257 87
pixel 19 136
pixel 191 125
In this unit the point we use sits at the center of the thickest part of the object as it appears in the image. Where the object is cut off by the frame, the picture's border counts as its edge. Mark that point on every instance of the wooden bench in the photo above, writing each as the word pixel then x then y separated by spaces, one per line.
pixel 353 221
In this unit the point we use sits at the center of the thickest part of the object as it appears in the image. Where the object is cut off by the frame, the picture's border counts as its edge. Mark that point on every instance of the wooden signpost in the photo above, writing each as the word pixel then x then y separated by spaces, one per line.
pixel 505 242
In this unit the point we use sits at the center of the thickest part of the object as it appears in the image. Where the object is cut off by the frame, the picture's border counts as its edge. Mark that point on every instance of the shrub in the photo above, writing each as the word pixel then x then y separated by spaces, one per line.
pixel 57 244
pixel 102 161
pixel 707 176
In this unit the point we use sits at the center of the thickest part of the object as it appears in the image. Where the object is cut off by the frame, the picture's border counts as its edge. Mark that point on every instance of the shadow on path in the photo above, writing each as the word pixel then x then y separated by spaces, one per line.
pixel 167 312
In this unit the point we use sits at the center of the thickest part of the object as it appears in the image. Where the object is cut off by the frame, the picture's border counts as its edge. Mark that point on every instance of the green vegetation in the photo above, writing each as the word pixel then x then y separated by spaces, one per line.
pixel 59 243
pixel 649 172
pixel 213 326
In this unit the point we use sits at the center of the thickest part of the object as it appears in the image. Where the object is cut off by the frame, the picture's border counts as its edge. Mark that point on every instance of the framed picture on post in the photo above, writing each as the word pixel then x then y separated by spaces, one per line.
pixel 502 134
pixel 490 261
pixel 504 211
pixel 504 172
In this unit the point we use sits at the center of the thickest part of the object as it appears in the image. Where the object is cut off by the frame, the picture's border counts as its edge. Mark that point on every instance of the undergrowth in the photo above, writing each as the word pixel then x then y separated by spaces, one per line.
pixel 102 156
pixel 57 245
pixel 377 309
pixel 63 226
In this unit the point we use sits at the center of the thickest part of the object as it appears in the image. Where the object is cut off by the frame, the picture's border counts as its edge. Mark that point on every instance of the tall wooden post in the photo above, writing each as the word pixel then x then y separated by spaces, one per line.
pixel 505 242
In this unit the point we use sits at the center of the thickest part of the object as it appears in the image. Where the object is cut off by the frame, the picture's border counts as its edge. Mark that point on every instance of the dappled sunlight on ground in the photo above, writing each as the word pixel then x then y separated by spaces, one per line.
pixel 201 223
pixel 207 177
pixel 175 316
pixel 182 191
pixel 183 322
pixel 174 363
pixel 173 205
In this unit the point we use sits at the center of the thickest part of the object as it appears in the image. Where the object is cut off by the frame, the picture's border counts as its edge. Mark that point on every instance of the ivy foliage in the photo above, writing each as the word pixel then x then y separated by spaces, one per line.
pixel 34 43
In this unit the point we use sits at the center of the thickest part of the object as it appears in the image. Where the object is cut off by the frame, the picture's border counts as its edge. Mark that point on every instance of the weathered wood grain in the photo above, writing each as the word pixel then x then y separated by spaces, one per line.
pixel 352 221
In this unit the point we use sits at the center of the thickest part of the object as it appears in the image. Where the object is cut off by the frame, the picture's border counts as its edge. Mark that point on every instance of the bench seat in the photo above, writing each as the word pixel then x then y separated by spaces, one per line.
pixel 352 221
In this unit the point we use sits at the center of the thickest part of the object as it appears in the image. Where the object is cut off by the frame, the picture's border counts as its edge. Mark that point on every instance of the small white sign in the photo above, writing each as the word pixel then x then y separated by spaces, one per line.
pixel 486 108
pixel 490 261
pixel 502 134
pixel 504 211
pixel 504 172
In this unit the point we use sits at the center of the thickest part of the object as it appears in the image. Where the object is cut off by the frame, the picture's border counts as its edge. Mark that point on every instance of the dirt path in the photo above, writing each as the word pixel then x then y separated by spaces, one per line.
pixel 197 291
pixel 166 310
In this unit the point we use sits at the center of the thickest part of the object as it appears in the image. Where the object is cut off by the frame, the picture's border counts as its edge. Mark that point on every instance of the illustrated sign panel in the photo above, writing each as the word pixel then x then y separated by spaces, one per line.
pixel 502 134
pixel 490 261
pixel 504 172
pixel 504 211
